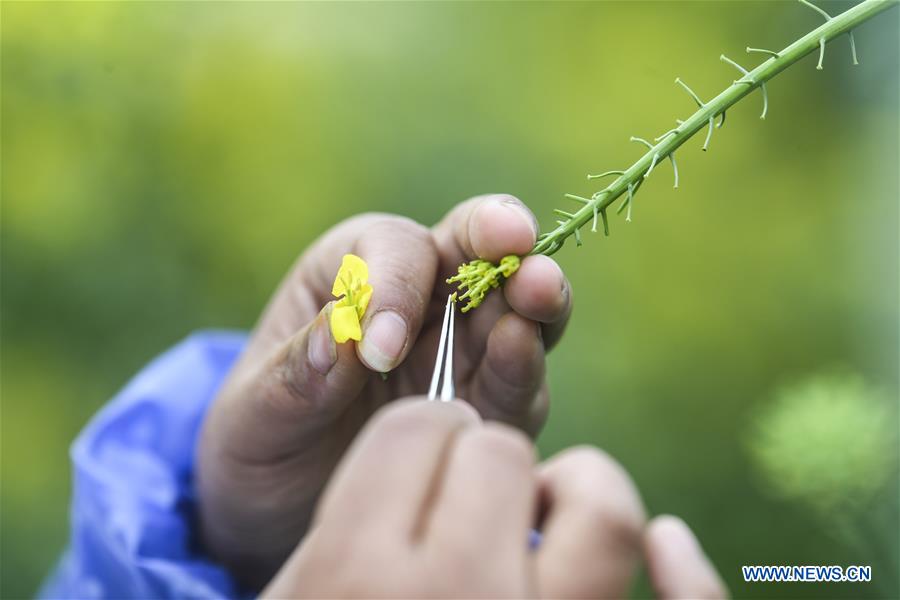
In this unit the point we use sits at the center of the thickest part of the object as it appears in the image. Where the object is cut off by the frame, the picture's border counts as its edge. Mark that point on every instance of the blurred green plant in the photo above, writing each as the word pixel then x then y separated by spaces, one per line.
pixel 629 181
pixel 829 442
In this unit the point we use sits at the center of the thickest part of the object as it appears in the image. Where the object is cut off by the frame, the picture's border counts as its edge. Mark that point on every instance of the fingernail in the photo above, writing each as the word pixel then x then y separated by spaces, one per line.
pixel 545 269
pixel 383 341
pixel 564 290
pixel 501 225
pixel 677 533
pixel 522 213
pixel 321 348
pixel 561 278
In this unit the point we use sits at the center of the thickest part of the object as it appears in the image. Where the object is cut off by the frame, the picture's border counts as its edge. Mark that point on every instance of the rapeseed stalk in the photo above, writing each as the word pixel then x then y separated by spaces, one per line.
pixel 477 278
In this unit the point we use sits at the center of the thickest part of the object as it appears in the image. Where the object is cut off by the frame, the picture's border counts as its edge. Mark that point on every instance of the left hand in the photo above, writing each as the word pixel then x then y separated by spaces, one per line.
pixel 296 399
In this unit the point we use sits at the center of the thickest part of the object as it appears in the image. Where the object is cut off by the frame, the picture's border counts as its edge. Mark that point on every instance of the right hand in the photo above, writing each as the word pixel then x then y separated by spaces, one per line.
pixel 430 502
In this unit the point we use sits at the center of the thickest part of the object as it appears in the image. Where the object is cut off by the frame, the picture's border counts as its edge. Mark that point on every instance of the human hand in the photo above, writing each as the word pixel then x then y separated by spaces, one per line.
pixel 296 399
pixel 431 503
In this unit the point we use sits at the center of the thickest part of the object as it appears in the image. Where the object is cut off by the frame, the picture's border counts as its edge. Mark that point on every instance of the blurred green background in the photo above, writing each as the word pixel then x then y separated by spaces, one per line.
pixel 163 164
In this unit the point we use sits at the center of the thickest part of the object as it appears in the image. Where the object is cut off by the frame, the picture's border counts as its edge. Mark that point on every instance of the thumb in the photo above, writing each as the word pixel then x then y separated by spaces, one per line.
pixel 271 407
pixel 275 418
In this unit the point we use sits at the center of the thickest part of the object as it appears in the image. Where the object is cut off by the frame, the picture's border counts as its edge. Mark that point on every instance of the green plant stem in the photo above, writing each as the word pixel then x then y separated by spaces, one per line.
pixel 636 173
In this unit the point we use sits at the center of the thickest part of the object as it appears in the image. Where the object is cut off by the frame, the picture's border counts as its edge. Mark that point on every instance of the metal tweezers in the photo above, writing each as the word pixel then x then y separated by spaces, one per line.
pixel 443 363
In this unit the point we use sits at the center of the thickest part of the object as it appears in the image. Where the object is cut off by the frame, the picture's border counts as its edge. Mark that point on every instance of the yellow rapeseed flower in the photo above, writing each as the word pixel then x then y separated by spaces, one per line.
pixel 354 292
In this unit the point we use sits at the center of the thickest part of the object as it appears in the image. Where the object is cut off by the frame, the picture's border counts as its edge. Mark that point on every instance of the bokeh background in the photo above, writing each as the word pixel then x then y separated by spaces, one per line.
pixel 164 163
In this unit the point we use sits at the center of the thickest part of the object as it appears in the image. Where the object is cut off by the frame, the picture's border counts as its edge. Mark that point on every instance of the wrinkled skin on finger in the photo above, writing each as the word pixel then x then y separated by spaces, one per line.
pixel 297 399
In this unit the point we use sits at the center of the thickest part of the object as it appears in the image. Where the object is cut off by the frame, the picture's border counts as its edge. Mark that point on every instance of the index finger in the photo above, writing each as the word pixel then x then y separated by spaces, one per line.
pixel 386 478
pixel 488 227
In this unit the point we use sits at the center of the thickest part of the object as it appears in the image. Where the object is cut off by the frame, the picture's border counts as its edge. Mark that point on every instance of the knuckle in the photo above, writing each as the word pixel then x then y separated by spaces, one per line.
pixel 396 224
pixel 366 218
pixel 406 292
pixel 409 272
pixel 591 462
pixel 505 444
pixel 378 223
pixel 602 487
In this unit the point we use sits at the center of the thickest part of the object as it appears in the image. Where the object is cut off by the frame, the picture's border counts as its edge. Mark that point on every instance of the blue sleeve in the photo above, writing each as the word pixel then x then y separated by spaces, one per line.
pixel 132 512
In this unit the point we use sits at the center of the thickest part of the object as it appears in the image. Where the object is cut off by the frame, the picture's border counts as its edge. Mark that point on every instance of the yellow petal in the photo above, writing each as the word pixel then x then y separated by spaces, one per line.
pixel 345 324
pixel 365 294
pixel 357 267
pixel 339 287
pixel 353 268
